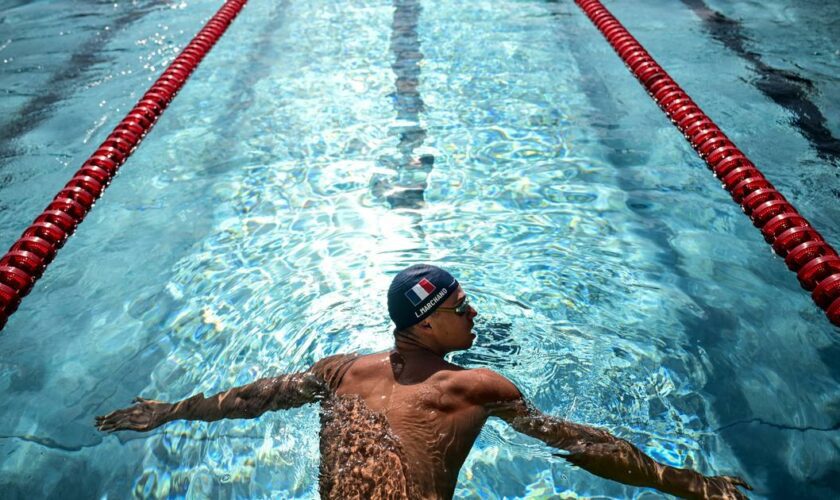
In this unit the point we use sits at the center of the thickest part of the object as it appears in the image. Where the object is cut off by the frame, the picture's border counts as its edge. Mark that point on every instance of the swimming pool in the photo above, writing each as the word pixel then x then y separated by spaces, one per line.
pixel 259 224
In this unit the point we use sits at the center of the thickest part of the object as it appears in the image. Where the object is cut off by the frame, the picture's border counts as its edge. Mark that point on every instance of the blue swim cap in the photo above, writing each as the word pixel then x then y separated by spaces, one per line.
pixel 416 292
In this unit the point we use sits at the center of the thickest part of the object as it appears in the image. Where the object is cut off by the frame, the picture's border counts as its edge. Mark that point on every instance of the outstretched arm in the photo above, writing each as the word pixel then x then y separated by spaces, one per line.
pixel 247 401
pixel 603 454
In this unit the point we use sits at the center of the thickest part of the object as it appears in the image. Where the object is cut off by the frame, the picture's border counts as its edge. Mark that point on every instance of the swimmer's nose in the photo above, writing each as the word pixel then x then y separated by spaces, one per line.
pixel 473 313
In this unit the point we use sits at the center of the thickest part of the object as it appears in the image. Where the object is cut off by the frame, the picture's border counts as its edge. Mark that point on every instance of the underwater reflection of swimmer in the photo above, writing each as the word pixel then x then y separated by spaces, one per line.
pixel 400 424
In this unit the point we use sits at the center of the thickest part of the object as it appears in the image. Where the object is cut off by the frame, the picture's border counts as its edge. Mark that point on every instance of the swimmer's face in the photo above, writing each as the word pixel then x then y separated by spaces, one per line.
pixel 449 330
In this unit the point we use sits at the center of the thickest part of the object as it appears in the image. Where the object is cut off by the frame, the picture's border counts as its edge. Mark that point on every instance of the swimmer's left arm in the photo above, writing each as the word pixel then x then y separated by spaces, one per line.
pixel 598 451
pixel 247 401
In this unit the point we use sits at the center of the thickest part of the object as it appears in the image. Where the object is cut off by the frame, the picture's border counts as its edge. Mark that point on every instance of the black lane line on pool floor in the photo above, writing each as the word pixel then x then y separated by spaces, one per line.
pixel 52 444
pixel 786 88
pixel 408 103
pixel 782 427
pixel 59 86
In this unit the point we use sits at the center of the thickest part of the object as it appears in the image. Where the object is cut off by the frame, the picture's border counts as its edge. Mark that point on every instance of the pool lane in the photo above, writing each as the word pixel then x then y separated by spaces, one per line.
pixel 740 403
pixel 95 329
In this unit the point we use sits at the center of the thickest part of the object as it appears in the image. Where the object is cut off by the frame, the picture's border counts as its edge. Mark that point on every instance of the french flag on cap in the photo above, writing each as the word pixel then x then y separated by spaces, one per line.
pixel 420 291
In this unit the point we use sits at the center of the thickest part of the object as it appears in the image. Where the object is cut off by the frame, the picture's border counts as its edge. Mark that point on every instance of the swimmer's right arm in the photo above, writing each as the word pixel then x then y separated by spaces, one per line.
pixel 600 452
pixel 247 401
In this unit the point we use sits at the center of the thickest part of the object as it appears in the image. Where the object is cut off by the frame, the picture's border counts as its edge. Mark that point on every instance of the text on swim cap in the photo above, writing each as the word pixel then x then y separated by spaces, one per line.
pixel 431 303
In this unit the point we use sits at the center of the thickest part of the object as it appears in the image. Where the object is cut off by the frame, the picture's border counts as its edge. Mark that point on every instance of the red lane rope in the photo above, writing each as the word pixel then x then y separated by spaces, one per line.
pixel 806 253
pixel 28 257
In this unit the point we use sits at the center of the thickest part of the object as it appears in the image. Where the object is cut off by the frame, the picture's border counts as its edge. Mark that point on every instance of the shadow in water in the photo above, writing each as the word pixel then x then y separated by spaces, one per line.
pixel 60 85
pixel 494 346
pixel 762 446
pixel 786 88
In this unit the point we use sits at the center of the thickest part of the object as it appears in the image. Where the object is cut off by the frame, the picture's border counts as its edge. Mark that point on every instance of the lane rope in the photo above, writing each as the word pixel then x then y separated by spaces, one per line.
pixel 792 237
pixel 29 256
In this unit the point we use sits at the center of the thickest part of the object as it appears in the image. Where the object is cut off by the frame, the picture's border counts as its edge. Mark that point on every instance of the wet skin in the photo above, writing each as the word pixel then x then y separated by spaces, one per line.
pixel 400 424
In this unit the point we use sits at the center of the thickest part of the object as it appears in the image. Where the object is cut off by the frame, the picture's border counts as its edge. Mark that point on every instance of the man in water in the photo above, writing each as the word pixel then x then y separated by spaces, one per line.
pixel 400 424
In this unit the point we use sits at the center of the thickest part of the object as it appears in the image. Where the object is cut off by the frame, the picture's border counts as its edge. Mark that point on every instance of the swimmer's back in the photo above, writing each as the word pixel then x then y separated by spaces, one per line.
pixel 385 382
pixel 427 405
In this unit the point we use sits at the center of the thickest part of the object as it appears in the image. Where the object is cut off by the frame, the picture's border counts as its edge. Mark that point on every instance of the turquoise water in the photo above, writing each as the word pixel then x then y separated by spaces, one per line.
pixel 258 226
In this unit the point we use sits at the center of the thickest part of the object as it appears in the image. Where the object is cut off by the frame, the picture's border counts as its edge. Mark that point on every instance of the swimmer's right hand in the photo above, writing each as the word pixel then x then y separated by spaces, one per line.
pixel 725 487
pixel 144 415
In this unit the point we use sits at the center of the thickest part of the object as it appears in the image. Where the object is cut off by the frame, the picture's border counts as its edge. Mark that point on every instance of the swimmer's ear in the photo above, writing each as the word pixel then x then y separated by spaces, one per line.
pixel 425 325
pixel 420 328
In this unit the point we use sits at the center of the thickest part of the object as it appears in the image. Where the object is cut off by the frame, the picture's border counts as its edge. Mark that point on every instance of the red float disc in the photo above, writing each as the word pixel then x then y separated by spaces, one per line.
pixel 769 209
pixel 792 238
pixel 72 207
pixel 747 186
pixel 821 267
pixel 759 196
pixel 28 262
pixel 47 231
pixel 737 175
pixel 59 218
pixel 781 223
pixel 806 252
pixel 9 301
pixel 36 245
pixel 833 312
pixel 88 183
pixel 16 279
pixel 827 291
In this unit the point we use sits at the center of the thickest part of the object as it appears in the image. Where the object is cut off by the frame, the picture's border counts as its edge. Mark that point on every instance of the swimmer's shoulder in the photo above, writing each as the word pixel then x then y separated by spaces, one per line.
pixel 370 366
pixel 332 369
pixel 353 366
pixel 481 386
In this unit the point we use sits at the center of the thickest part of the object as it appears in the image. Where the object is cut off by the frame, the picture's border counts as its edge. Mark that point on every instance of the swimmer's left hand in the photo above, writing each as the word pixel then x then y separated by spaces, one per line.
pixel 145 415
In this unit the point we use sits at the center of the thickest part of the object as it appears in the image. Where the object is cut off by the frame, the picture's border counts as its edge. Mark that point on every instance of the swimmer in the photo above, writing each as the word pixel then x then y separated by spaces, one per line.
pixel 400 424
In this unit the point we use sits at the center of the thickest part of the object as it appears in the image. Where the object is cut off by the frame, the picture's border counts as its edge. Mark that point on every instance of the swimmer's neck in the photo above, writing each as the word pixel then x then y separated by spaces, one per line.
pixel 413 361
pixel 411 346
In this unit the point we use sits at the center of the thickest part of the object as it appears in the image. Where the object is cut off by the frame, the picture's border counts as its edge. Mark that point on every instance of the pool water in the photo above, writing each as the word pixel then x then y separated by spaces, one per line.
pixel 323 146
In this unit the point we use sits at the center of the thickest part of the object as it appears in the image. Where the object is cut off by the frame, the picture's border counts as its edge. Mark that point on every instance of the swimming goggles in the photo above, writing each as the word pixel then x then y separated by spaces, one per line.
pixel 461 309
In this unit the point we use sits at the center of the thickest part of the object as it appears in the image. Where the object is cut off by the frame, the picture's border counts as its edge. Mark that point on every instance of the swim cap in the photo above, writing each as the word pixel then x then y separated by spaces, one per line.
pixel 416 292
